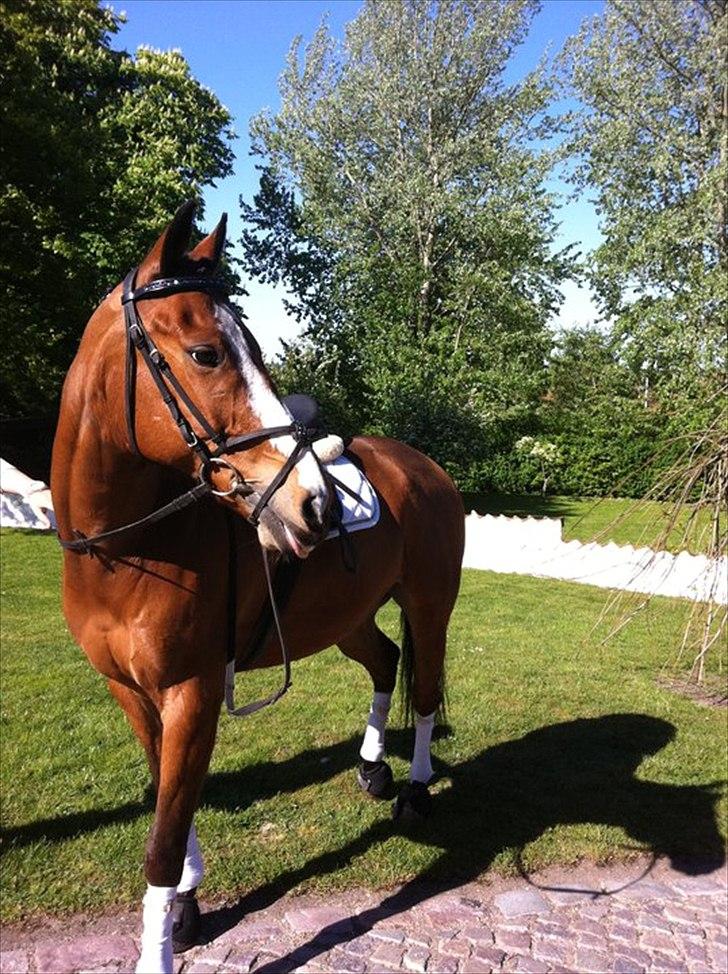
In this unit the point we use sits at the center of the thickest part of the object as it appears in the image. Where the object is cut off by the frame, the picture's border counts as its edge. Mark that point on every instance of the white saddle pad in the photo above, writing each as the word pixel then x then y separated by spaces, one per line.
pixel 356 513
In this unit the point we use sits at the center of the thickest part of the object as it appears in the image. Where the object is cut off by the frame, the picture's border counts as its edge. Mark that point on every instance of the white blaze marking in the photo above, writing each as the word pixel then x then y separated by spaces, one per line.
pixel 268 408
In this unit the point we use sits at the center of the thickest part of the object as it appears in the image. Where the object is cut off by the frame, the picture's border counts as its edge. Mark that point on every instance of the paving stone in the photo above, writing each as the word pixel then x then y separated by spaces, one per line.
pixel 477 935
pixel 657 940
pixel 699 886
pixel 314 919
pixel 416 958
pixel 587 925
pixel 645 921
pixel 346 964
pixel 459 947
pixel 550 949
pixel 623 965
pixel 387 934
pixel 596 909
pixel 668 962
pixel 83 953
pixel 623 931
pixel 677 912
pixel 216 953
pixel 419 939
pixel 591 961
pixel 492 956
pixel 442 964
pixel 647 889
pixel 552 927
pixel 14 961
pixel 390 954
pixel 512 940
pixel 201 967
pixel 530 965
pixel 361 946
pixel 242 961
pixel 520 902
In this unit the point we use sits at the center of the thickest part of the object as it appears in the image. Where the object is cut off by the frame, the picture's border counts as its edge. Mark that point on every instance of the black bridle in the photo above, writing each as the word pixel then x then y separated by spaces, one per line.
pixel 214 444
pixel 209 449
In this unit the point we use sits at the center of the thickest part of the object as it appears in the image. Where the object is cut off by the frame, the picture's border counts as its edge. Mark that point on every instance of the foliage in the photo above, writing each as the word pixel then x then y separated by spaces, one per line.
pixel 561 743
pixel 401 203
pixel 546 454
pixel 100 148
pixel 652 143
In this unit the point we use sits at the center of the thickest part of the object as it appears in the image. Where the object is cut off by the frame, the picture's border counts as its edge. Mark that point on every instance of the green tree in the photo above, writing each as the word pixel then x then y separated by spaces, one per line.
pixel 402 205
pixel 652 144
pixel 99 148
pixel 652 141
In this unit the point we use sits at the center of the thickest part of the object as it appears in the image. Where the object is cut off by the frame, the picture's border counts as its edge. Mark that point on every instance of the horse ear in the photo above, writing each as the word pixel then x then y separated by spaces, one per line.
pixel 166 255
pixel 209 251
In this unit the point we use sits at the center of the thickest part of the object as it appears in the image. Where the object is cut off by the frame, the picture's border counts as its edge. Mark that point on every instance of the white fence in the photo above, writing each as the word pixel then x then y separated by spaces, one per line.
pixel 533 546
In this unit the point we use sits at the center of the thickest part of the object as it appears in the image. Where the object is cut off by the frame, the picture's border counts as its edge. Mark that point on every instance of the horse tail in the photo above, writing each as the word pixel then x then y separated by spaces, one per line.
pixel 407 676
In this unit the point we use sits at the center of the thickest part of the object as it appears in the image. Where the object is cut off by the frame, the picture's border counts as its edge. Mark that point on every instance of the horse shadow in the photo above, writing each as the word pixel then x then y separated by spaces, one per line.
pixel 580 771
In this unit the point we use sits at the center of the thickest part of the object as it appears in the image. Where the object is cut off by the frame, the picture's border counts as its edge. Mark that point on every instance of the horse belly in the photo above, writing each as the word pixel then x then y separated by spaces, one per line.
pixel 328 601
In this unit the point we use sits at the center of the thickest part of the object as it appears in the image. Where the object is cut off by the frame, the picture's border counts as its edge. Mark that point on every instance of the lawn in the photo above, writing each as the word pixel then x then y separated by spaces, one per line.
pixel 559 748
pixel 604 519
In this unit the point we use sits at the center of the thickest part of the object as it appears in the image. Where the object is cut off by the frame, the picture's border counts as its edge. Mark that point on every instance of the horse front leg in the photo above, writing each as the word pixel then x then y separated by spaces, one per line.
pixel 189 713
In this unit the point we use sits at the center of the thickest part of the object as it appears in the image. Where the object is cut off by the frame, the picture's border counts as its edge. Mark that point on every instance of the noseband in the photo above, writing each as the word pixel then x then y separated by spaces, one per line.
pixel 214 445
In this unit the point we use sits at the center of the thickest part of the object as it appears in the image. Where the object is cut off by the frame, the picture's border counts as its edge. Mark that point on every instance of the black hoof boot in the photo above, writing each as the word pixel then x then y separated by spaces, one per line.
pixel 413 803
pixel 375 778
pixel 186 922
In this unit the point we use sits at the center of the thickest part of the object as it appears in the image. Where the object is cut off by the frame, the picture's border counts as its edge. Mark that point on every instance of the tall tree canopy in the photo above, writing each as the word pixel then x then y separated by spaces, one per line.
pixel 99 148
pixel 401 202
pixel 653 146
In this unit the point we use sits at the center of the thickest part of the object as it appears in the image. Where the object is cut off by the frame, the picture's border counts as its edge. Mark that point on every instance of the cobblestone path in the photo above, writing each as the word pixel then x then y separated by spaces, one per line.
pixel 587 919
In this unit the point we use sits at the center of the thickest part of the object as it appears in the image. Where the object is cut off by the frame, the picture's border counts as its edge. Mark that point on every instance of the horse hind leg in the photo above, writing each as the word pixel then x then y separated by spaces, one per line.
pixel 423 663
pixel 377 653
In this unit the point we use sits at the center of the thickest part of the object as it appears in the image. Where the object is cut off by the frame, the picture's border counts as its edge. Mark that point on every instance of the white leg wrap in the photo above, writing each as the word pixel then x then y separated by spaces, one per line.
pixel 156 951
pixel 372 748
pixel 421 764
pixel 194 868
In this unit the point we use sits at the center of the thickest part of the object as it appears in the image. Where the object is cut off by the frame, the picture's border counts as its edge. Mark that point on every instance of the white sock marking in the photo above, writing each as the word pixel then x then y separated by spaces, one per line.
pixel 156 949
pixel 372 748
pixel 194 867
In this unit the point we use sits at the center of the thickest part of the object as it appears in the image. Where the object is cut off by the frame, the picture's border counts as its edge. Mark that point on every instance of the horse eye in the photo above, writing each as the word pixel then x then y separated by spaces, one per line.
pixel 205 355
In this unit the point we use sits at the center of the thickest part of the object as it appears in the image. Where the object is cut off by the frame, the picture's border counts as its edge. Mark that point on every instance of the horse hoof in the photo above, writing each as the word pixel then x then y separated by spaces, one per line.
pixel 186 921
pixel 375 778
pixel 413 803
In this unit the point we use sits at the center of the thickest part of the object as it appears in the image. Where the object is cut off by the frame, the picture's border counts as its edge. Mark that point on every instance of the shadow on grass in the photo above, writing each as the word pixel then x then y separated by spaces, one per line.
pixel 504 798
pixel 580 771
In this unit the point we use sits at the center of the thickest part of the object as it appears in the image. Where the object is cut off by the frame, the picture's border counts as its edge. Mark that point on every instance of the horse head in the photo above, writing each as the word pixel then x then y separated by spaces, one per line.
pixel 220 387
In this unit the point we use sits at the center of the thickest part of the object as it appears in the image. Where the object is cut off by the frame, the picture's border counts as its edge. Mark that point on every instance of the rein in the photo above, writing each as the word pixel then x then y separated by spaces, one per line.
pixel 139 342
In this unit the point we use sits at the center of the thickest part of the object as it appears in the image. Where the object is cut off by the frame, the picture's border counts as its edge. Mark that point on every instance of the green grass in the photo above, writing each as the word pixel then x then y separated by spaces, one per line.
pixel 624 521
pixel 560 749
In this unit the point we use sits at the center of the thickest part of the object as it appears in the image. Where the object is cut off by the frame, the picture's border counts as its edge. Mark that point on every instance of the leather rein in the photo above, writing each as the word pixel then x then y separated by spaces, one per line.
pixel 210 450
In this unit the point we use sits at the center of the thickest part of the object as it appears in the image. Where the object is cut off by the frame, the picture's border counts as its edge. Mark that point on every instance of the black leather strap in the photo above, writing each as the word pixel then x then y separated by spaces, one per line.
pixel 86 545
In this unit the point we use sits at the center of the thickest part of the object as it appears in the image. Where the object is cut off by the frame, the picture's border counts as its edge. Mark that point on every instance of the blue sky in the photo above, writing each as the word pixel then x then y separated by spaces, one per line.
pixel 238 47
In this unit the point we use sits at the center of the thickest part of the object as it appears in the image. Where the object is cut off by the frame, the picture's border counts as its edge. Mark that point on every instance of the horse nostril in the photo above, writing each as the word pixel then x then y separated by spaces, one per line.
pixel 311 515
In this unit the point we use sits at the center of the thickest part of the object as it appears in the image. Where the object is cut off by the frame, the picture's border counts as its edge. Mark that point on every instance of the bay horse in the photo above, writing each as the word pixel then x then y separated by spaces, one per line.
pixel 150 604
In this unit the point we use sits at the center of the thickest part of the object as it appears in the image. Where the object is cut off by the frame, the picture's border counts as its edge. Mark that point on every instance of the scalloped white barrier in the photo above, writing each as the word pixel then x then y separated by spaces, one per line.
pixel 533 546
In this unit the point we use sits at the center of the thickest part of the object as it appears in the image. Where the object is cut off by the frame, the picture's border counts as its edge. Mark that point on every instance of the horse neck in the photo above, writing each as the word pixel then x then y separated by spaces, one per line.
pixel 96 481
pixel 96 486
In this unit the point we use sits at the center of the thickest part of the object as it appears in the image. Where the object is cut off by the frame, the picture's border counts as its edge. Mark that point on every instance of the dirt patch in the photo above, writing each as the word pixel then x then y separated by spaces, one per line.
pixel 712 693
